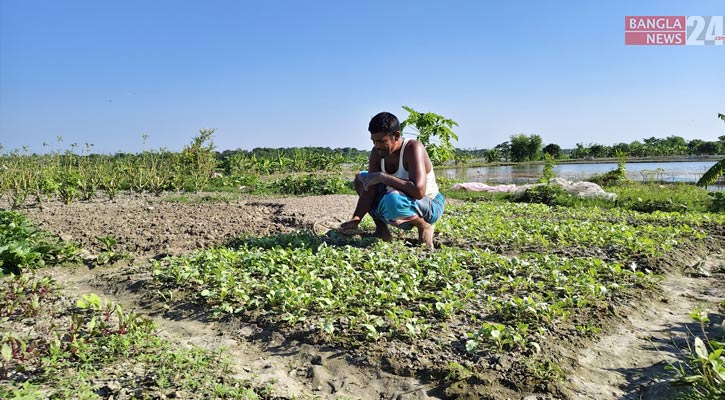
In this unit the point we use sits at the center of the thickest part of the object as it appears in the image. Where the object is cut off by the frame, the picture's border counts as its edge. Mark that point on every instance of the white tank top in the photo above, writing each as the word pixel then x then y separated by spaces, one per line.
pixel 431 187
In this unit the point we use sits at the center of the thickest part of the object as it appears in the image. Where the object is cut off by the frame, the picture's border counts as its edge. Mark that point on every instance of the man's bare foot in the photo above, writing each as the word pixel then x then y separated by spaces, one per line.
pixel 425 234
pixel 382 231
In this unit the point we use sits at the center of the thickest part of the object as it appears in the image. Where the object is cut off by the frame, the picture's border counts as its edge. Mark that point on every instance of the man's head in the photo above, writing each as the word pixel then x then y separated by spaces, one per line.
pixel 384 122
pixel 384 131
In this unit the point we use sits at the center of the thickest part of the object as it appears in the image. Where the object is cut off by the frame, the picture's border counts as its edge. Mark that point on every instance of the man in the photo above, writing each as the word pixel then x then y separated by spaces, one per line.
pixel 399 187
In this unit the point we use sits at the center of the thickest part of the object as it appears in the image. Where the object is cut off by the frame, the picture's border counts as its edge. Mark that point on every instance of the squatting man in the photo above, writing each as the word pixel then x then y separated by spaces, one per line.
pixel 399 187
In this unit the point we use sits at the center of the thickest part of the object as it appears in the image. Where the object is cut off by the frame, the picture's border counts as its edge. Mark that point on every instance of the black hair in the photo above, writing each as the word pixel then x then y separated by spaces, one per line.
pixel 384 122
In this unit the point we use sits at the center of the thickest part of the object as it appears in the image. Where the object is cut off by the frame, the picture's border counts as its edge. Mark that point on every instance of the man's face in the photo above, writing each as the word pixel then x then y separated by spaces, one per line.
pixel 384 143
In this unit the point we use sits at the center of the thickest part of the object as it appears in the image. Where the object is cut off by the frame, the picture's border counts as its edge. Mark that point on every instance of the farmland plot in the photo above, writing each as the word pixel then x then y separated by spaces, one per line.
pixel 518 300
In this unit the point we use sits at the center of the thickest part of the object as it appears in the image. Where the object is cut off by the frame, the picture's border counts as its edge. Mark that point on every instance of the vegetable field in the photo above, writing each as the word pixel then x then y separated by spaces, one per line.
pixel 229 294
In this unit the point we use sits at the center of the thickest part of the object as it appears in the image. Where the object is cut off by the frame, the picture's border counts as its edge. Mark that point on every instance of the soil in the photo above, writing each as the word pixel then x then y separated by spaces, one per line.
pixel 150 226
pixel 627 361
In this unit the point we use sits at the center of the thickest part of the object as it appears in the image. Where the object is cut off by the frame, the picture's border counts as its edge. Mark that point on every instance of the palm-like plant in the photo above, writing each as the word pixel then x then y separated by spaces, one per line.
pixel 715 171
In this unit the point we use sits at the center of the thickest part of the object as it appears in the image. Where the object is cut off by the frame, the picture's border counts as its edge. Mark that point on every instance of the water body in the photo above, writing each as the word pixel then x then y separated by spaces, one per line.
pixel 689 171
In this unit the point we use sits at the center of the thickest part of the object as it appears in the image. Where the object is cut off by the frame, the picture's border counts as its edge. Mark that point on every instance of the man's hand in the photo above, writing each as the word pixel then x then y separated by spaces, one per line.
pixel 350 225
pixel 350 228
pixel 371 179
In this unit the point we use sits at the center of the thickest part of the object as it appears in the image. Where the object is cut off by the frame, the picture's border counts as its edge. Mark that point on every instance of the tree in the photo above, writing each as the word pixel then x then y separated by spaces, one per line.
pixel 492 155
pixel 504 150
pixel 533 148
pixel 553 150
pixel 708 148
pixel 637 149
pixel 675 145
pixel 598 151
pixel 462 156
pixel 622 148
pixel 519 147
pixel 430 125
pixel 581 151
pixel 525 148
pixel 693 144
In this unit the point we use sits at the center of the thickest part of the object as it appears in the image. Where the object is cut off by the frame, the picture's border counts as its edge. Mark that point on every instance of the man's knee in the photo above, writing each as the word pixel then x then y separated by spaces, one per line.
pixel 395 206
pixel 358 184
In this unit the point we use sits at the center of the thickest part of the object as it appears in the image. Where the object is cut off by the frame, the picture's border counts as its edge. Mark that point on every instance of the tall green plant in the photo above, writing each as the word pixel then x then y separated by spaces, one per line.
pixel 711 175
pixel 430 125
pixel 548 172
pixel 198 158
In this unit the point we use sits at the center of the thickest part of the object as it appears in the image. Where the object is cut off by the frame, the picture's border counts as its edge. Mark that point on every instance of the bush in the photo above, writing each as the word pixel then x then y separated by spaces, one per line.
pixel 544 194
pixel 717 202
pixel 652 205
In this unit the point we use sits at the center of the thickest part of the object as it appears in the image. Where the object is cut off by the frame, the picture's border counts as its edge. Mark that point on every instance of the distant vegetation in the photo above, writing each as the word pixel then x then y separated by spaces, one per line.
pixel 523 147
pixel 77 174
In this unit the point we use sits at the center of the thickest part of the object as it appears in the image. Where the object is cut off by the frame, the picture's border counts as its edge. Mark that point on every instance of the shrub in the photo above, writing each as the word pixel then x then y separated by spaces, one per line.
pixel 652 205
pixel 544 194
pixel 717 202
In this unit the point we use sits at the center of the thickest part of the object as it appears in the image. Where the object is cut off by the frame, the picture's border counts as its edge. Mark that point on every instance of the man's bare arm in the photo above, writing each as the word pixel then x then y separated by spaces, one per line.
pixel 416 159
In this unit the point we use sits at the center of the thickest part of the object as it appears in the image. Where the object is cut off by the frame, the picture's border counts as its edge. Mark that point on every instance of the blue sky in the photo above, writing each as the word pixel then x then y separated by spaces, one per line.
pixel 312 73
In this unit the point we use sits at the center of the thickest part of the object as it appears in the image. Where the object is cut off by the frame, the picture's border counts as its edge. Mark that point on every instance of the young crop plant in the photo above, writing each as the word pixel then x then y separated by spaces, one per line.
pixel 108 255
pixel 17 178
pixel 22 246
pixel 501 337
pixel 348 291
pixel 591 230
pixel 703 372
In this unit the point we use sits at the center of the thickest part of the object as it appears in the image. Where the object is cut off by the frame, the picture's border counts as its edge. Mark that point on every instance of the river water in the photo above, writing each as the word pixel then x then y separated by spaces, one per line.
pixel 688 171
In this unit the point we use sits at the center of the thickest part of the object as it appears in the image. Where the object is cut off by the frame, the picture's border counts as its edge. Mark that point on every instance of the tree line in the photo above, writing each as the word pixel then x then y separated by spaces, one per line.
pixel 522 147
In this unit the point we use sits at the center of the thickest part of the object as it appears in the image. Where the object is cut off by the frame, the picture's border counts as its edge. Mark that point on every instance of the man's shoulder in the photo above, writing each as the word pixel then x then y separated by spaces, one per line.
pixel 414 145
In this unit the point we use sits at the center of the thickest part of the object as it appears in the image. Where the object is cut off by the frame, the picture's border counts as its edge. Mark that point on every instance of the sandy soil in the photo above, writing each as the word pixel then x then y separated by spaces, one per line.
pixel 629 362
pixel 625 363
